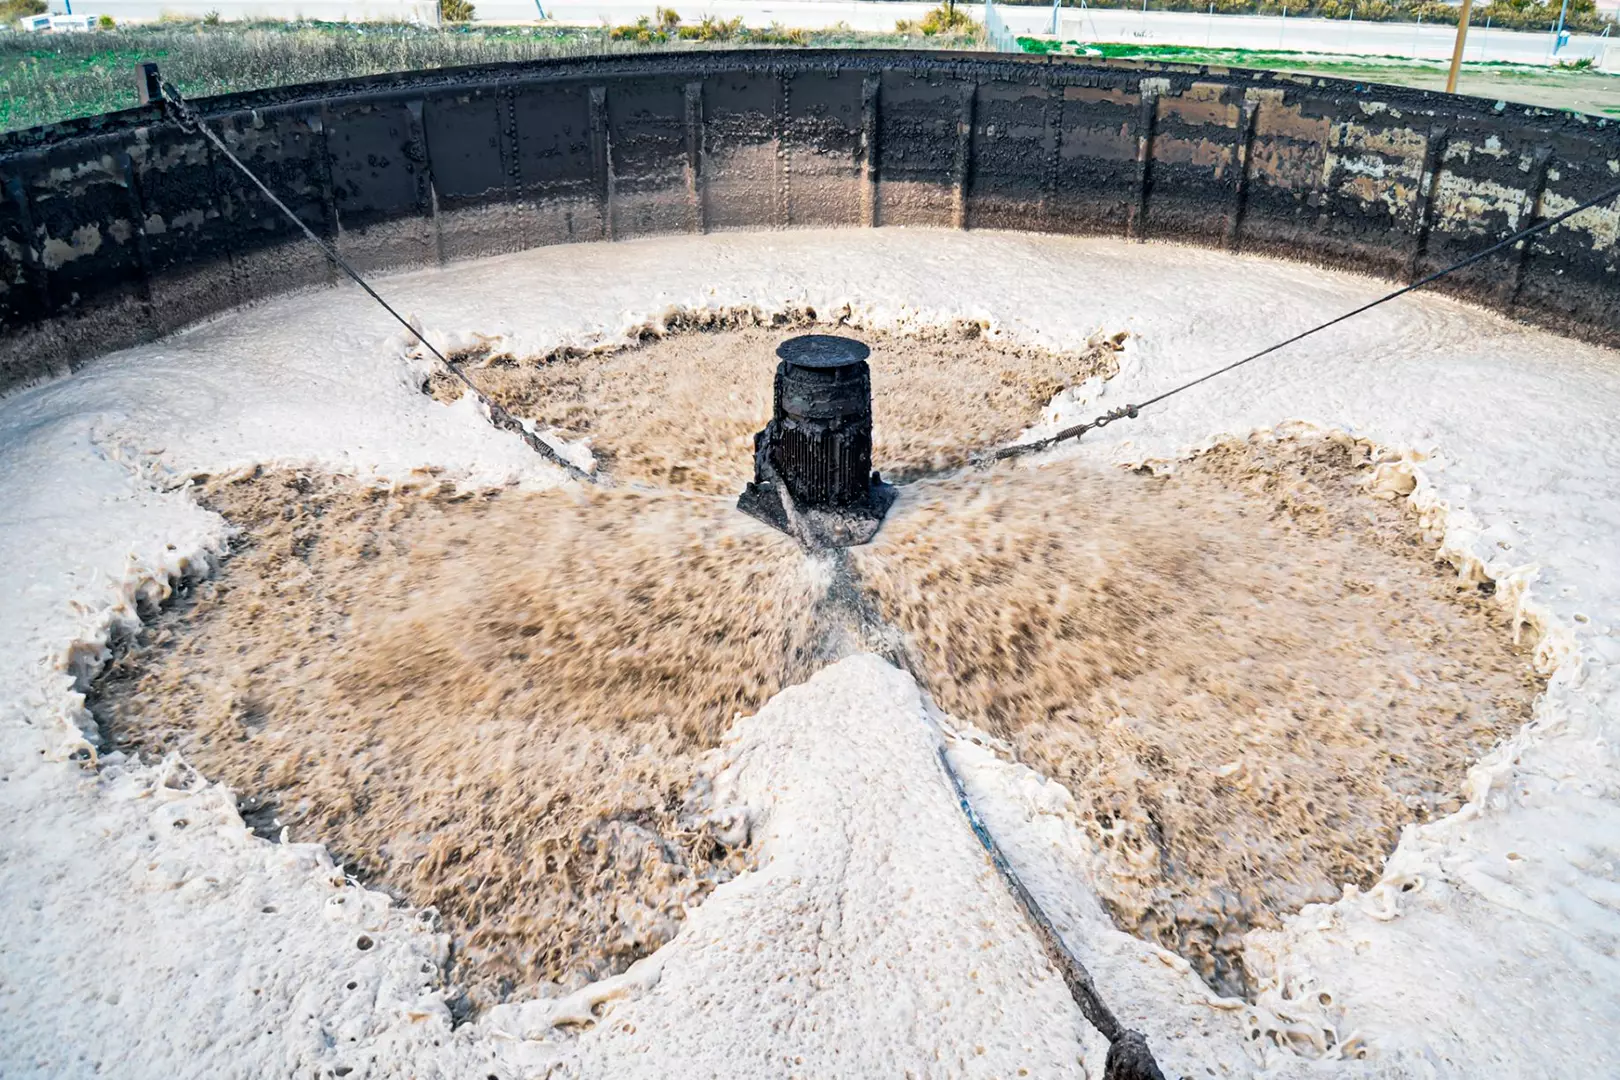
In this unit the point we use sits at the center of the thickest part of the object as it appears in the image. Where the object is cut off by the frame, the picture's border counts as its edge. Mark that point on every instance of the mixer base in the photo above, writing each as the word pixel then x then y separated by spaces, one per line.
pixel 819 527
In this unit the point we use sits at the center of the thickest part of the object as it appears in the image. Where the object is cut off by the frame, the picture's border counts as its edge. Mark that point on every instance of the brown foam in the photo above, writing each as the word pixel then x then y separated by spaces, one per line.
pixel 681 411
pixel 489 705
pixel 1250 674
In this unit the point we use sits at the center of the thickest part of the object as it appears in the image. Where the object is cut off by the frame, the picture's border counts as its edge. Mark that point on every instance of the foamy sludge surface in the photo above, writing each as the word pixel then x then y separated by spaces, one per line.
pixel 147 931
pixel 1249 672
pixel 491 706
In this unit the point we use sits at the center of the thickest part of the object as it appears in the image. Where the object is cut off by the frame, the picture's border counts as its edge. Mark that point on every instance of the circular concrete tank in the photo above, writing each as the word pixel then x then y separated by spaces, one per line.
pixel 117 230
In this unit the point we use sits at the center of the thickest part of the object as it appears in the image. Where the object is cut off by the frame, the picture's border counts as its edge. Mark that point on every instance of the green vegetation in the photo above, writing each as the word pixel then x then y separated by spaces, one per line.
pixel 12 10
pixel 1583 15
pixel 1273 59
pixel 457 11
pixel 1576 86
pixel 53 77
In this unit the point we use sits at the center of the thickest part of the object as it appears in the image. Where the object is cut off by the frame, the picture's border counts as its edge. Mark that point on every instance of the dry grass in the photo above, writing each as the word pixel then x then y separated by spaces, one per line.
pixel 1250 674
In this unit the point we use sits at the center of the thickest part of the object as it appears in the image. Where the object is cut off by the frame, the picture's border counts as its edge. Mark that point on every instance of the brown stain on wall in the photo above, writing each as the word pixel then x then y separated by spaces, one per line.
pixel 1201 103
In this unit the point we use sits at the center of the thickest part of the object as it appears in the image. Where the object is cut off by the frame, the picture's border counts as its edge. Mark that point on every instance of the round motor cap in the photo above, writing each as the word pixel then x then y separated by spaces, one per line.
pixel 822 351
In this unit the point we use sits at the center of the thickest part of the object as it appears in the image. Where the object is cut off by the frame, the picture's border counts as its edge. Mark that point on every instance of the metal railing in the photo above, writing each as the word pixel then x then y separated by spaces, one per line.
pixel 996 33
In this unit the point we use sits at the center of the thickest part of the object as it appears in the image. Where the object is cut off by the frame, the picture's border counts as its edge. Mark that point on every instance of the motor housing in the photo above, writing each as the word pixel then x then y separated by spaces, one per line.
pixel 813 475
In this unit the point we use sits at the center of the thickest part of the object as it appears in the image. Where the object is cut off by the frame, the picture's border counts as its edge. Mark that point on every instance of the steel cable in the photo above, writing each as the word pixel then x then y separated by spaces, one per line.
pixel 188 119
pixel 1131 411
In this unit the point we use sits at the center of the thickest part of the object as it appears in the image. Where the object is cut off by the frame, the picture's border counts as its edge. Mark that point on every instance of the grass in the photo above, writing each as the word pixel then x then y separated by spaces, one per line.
pixel 56 77
pixel 1579 16
pixel 1579 88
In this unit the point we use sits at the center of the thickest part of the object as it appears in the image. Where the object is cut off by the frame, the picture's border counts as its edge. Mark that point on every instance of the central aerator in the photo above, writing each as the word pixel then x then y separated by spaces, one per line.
pixel 813 475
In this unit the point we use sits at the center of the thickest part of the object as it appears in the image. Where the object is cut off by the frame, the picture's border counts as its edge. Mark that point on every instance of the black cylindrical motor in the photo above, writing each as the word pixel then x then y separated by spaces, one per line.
pixel 818 446
pixel 820 440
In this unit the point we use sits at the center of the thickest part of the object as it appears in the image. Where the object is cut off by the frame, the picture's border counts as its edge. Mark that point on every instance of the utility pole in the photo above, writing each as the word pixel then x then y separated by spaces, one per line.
pixel 1457 49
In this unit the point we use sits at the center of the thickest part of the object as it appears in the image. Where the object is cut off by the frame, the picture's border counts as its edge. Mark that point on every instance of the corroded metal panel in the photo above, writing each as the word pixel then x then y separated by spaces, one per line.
pixel 918 135
pixel 823 147
pixel 1569 276
pixel 188 214
pixel 287 148
pixel 381 187
pixel 1014 128
pixel 1192 172
pixel 743 152
pixel 650 178
pixel 471 149
pixel 1096 182
pixel 558 134
pixel 84 225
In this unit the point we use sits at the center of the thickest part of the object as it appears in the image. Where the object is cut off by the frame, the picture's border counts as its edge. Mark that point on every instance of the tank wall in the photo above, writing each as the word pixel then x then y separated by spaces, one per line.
pixel 119 228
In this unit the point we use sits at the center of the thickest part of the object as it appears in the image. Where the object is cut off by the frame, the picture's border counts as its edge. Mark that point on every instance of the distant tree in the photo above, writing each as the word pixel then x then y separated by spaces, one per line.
pixel 12 10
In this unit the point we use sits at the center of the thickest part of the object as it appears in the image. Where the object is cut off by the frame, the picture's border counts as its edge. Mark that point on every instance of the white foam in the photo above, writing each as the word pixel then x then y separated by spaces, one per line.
pixel 874 938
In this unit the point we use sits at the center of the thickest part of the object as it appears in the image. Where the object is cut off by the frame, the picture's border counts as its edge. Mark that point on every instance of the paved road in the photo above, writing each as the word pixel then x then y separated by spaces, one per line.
pixel 1159 27
pixel 1407 40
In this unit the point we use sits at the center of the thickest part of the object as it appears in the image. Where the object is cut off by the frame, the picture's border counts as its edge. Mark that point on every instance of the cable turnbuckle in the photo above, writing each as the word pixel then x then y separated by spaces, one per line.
pixel 1124 412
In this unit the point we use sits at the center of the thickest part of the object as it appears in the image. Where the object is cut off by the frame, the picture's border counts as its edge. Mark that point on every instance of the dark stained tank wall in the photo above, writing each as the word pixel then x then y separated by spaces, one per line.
pixel 120 228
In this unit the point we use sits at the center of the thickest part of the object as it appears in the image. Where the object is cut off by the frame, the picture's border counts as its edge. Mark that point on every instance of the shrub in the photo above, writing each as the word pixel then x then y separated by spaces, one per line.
pixel 1436 12
pixel 1533 15
pixel 948 19
pixel 12 10
pixel 105 22
pixel 712 29
pixel 945 19
pixel 719 29
pixel 1376 11
pixel 457 11
pixel 642 31
pixel 777 34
